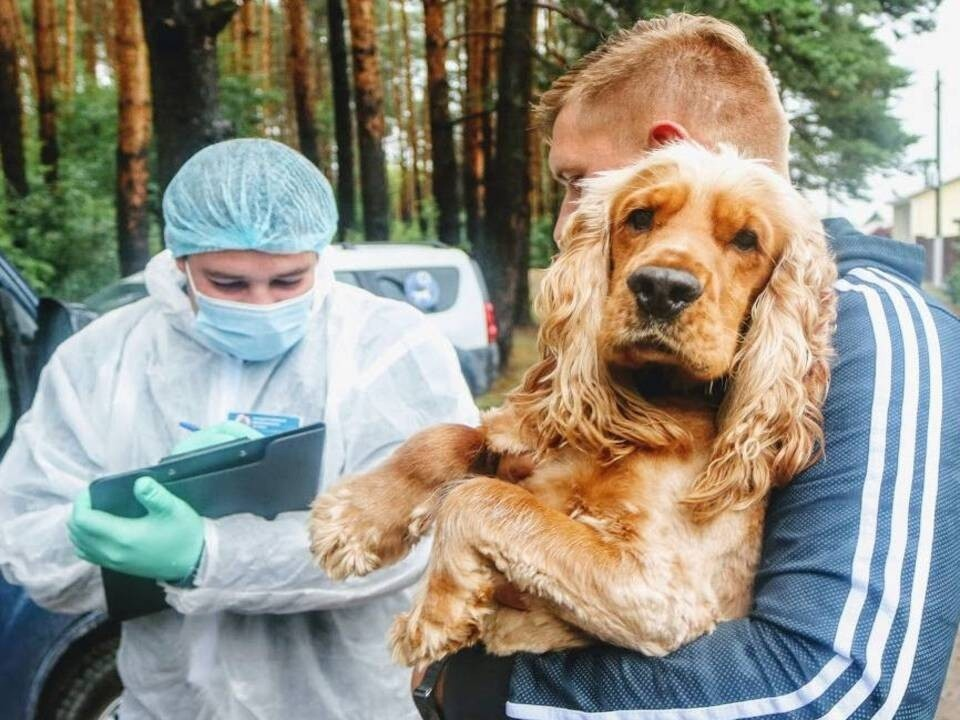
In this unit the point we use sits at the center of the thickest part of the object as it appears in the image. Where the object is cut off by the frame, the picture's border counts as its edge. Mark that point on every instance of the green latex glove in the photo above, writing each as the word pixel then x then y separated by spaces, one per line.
pixel 165 544
pixel 216 435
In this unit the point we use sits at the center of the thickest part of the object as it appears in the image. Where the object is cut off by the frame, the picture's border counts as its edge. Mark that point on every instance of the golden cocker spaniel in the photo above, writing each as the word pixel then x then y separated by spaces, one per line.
pixel 684 359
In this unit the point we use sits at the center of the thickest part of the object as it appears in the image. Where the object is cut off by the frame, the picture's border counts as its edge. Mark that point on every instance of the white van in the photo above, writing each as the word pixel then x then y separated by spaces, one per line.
pixel 443 282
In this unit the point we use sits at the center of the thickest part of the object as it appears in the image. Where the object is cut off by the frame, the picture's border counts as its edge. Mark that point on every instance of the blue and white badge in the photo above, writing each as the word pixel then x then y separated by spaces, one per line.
pixel 266 424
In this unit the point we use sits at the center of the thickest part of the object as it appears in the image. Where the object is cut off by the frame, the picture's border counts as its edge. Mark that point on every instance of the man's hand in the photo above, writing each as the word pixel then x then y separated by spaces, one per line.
pixel 165 544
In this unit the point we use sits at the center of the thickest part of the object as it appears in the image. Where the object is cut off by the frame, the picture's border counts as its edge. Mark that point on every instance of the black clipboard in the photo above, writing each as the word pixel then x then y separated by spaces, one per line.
pixel 266 476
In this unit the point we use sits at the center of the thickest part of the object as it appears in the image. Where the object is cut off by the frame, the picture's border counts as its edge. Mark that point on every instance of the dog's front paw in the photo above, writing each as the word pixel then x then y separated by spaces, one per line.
pixel 339 540
pixel 416 641
pixel 441 623
pixel 350 536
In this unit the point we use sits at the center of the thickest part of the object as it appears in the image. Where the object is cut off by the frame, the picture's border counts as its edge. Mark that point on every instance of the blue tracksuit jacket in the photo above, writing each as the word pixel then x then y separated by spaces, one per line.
pixel 857 597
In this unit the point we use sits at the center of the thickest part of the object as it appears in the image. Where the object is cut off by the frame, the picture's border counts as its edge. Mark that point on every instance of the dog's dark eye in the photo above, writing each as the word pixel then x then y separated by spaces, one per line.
pixel 640 219
pixel 745 240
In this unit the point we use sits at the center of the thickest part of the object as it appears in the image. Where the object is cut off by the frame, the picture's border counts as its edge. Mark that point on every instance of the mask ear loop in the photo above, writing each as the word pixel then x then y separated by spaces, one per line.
pixel 190 284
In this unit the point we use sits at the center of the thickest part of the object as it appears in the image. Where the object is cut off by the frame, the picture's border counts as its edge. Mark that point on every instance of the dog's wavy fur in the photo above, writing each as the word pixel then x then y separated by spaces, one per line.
pixel 626 505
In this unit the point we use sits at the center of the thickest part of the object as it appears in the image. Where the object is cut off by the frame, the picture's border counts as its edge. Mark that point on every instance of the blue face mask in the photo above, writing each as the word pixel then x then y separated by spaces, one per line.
pixel 252 332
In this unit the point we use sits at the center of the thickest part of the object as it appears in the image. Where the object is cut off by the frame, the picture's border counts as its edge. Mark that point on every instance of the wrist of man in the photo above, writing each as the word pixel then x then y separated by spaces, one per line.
pixel 475 685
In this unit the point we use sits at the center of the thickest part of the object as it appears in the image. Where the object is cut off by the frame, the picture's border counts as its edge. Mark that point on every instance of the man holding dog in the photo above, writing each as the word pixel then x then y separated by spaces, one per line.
pixel 855 609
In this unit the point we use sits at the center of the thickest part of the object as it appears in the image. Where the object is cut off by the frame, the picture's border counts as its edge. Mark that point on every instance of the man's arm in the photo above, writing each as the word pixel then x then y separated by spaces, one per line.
pixel 52 459
pixel 855 608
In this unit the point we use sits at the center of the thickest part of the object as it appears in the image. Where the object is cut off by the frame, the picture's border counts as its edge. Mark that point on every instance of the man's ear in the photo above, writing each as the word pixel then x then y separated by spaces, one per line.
pixel 182 264
pixel 663 132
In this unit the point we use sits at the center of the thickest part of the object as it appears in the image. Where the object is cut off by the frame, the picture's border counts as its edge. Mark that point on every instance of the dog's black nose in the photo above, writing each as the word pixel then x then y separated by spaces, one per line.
pixel 664 292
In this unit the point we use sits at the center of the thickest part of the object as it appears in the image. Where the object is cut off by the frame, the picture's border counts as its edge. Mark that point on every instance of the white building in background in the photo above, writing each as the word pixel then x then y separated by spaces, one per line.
pixel 914 221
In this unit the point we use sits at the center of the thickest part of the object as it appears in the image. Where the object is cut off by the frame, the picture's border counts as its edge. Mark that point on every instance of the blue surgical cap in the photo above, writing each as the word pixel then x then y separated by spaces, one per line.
pixel 250 194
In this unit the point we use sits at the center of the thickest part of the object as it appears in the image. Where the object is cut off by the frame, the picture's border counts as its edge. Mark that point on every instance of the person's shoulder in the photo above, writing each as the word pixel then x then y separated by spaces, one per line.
pixel 106 334
pixel 377 319
pixel 878 299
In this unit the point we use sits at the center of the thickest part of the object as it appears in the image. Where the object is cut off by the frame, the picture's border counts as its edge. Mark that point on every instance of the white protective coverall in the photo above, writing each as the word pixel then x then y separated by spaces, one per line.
pixel 264 634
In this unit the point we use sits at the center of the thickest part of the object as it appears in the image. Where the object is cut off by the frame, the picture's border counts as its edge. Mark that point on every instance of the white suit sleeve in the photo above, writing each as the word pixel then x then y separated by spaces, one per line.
pixel 252 565
pixel 53 457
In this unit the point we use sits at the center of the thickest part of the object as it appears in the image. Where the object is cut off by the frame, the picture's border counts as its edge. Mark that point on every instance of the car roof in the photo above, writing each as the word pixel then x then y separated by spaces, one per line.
pixel 374 256
pixel 13 283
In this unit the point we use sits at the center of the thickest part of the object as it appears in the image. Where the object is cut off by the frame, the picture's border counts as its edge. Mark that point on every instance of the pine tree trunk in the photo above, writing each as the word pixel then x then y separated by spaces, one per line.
pixel 88 19
pixel 413 138
pixel 321 75
pixel 342 116
pixel 248 37
pixel 266 47
pixel 182 40
pixel 233 45
pixel 11 103
pixel 25 50
pixel 69 68
pixel 298 47
pixel 368 88
pixel 492 23
pixel 107 23
pixel 133 139
pixel 441 130
pixel 473 140
pixel 45 41
pixel 397 105
pixel 504 254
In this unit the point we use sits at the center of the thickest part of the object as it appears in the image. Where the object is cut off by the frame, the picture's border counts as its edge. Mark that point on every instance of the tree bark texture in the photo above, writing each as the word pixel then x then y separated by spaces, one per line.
pixel 492 21
pixel 342 116
pixel 368 99
pixel 45 44
pixel 298 47
pixel 11 103
pixel 89 42
pixel 107 23
pixel 321 79
pixel 266 46
pixel 182 40
pixel 443 152
pixel 473 138
pixel 69 67
pixel 133 139
pixel 397 105
pixel 505 252
pixel 248 37
pixel 413 137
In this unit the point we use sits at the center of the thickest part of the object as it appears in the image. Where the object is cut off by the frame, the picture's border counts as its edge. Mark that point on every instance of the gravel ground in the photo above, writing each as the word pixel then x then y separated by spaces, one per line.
pixel 950 698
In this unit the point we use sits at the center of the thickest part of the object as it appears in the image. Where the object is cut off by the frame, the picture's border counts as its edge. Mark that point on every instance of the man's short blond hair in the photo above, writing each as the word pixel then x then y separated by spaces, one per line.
pixel 695 70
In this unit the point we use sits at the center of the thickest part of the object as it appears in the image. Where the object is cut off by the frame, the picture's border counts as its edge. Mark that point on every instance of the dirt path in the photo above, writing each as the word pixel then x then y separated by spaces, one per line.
pixel 950 698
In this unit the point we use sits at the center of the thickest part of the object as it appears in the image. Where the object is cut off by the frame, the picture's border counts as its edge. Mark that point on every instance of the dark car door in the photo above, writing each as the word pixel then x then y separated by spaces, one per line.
pixel 53 665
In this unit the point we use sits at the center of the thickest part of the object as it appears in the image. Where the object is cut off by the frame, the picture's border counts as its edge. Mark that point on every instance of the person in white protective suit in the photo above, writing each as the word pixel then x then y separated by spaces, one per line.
pixel 243 318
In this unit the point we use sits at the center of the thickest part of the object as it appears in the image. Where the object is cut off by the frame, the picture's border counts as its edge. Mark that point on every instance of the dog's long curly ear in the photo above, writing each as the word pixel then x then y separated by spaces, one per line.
pixel 770 424
pixel 565 385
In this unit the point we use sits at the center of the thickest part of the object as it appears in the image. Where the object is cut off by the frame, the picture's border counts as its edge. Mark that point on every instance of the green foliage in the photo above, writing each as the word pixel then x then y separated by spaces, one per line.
pixel 244 103
pixel 542 247
pixel 63 238
pixel 954 281
pixel 836 77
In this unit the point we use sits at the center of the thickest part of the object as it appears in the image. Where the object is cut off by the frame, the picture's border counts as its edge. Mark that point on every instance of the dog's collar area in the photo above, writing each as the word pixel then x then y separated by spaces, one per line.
pixel 660 385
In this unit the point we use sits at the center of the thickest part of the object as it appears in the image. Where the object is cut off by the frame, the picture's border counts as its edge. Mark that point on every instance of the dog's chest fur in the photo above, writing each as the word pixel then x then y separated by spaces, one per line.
pixel 637 504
